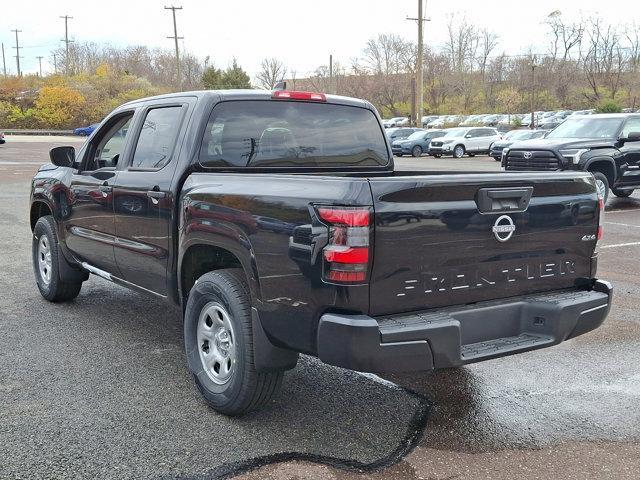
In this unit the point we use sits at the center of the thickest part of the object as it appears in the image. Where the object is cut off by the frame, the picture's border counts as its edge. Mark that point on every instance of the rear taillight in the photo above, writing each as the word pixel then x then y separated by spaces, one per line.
pixel 293 95
pixel 346 255
pixel 600 217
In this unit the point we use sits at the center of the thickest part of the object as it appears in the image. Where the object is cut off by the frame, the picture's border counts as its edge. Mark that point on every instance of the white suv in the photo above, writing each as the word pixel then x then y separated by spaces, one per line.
pixel 459 141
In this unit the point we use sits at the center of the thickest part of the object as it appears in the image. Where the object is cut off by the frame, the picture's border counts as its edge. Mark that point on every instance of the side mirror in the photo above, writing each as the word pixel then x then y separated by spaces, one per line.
pixel 632 137
pixel 63 156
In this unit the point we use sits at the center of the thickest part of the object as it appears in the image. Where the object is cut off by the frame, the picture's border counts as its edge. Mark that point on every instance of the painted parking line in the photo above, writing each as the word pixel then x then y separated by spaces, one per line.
pixel 607 212
pixel 622 224
pixel 618 245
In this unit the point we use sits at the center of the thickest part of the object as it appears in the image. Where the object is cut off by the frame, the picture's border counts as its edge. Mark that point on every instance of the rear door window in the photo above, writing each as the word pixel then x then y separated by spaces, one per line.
pixel 275 133
pixel 157 138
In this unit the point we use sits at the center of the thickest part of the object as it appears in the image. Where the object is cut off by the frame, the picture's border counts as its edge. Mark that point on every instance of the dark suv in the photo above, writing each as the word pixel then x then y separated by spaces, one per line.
pixel 605 145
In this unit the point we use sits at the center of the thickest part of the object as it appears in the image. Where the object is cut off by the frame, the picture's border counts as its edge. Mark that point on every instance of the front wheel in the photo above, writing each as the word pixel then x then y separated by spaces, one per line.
pixel 416 151
pixel 218 338
pixel 458 152
pixel 602 184
pixel 44 250
pixel 621 193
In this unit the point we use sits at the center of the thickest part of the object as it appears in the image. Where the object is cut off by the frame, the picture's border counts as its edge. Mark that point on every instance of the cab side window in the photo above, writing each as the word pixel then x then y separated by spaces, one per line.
pixel 158 137
pixel 106 149
pixel 632 125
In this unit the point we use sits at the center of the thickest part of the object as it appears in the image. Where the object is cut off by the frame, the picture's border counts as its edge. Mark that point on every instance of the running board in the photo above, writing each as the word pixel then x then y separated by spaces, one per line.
pixel 119 281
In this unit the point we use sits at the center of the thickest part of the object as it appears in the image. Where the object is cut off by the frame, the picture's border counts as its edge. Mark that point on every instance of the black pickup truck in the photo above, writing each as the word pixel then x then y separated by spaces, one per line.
pixel 607 145
pixel 276 220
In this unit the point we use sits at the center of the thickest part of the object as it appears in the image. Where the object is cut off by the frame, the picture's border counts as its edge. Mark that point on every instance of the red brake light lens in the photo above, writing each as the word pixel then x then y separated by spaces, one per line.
pixel 346 256
pixel 293 95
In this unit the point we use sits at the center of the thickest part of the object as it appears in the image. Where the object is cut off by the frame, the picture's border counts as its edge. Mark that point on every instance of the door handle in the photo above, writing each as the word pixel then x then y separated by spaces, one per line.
pixel 105 188
pixel 155 195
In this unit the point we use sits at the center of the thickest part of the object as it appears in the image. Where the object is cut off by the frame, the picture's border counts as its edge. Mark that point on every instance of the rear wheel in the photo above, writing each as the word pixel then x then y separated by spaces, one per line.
pixel 497 159
pixel 458 152
pixel 602 184
pixel 218 337
pixel 416 151
pixel 45 253
pixel 621 193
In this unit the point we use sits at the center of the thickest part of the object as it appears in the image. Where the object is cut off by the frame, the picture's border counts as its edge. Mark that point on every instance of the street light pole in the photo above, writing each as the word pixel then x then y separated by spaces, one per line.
pixel 533 93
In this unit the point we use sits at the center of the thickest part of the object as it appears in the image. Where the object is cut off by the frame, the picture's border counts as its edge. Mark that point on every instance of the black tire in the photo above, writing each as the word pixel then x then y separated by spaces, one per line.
pixel 621 193
pixel 246 389
pixel 437 155
pixel 50 285
pixel 458 151
pixel 497 159
pixel 471 154
pixel 601 177
pixel 398 154
pixel 416 151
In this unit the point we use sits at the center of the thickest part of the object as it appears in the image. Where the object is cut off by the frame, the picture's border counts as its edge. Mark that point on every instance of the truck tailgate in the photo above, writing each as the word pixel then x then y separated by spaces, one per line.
pixel 455 239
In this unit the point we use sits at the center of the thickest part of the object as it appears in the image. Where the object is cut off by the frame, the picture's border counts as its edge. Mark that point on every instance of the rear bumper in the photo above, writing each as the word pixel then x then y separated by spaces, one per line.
pixel 457 336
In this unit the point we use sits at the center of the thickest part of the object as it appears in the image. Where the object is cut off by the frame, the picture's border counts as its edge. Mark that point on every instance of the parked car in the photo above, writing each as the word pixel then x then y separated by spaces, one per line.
pixel 401 133
pixel 85 131
pixel 416 144
pixel 427 119
pixel 459 141
pixel 2 140
pixel 466 279
pixel 513 136
pixel 607 145
pixel 395 122
pixel 437 123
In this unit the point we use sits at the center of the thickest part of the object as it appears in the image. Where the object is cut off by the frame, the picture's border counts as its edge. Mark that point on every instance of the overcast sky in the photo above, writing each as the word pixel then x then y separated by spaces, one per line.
pixel 300 32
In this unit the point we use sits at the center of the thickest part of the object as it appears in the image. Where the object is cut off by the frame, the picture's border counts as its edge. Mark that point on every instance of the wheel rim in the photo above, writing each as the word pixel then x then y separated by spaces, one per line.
pixel 459 152
pixel 602 188
pixel 417 152
pixel 216 343
pixel 44 259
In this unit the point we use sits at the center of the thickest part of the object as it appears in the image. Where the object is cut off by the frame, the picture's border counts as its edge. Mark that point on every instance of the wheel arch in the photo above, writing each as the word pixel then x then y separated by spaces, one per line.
pixel 200 257
pixel 604 165
pixel 39 208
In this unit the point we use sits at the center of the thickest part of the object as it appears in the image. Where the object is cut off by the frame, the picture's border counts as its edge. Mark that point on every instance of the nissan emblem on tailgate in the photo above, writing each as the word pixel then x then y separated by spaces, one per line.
pixel 503 228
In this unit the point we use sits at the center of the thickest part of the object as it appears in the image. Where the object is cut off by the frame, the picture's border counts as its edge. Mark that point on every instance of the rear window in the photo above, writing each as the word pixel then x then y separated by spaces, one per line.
pixel 260 133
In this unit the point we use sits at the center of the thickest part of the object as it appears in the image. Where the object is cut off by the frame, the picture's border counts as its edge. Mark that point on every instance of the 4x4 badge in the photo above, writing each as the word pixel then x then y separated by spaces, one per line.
pixel 503 228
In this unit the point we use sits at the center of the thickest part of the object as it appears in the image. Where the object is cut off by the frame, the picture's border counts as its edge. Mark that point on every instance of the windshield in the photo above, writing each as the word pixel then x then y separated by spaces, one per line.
pixel 455 132
pixel 282 133
pixel 588 127
pixel 416 136
pixel 520 135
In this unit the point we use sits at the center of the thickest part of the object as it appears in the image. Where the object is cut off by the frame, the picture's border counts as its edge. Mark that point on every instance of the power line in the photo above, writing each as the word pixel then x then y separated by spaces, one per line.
pixel 66 41
pixel 176 38
pixel 17 47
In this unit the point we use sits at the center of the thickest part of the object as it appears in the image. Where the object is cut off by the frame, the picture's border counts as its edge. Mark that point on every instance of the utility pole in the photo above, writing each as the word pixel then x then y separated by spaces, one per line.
pixel 4 63
pixel 66 42
pixel 419 97
pixel 55 63
pixel 331 74
pixel 533 93
pixel 176 38
pixel 40 64
pixel 17 47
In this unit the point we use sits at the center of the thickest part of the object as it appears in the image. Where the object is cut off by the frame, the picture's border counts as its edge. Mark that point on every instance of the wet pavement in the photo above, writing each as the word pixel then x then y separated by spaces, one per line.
pixel 89 394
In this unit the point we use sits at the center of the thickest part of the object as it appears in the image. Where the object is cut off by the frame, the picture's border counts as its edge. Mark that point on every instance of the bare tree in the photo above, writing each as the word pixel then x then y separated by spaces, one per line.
pixel 271 72
pixel 603 59
pixel 488 42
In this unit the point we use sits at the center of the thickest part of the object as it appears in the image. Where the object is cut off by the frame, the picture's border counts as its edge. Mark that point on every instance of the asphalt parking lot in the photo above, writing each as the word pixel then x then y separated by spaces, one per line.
pixel 99 388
